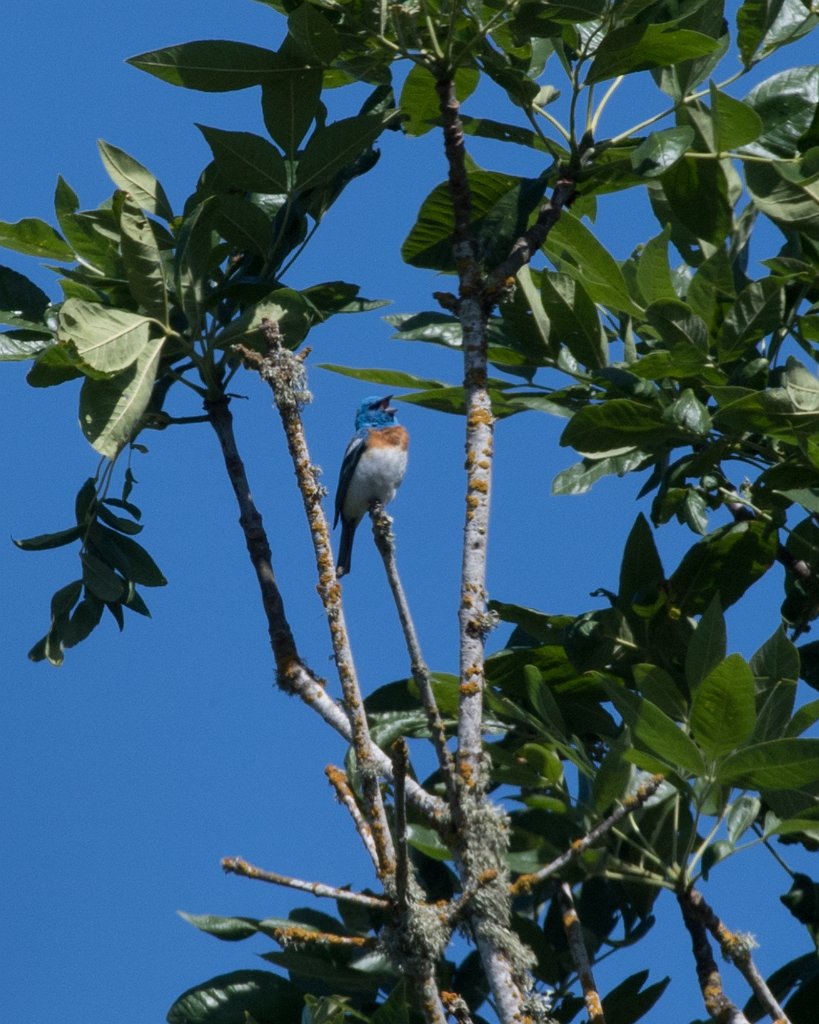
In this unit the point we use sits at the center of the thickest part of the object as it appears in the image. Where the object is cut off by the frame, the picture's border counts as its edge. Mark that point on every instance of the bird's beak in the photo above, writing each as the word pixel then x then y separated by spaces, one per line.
pixel 385 404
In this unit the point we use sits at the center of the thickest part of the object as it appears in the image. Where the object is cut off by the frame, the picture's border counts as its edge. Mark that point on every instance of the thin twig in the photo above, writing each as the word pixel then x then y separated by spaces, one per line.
pixel 579 954
pixel 345 795
pixel 736 947
pixel 717 1003
pixel 384 541
pixel 238 866
pixel 525 883
pixel 400 763
pixel 297 937
pixel 284 373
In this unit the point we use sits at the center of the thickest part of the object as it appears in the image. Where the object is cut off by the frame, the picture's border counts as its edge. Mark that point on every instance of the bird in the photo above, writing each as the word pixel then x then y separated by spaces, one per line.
pixel 372 470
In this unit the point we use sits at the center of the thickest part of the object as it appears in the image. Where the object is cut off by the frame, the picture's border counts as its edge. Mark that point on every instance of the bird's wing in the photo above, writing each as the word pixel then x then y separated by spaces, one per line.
pixel 355 449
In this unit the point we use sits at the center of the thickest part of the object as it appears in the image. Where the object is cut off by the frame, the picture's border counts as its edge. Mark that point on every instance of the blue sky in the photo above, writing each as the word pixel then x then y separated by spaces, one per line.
pixel 129 772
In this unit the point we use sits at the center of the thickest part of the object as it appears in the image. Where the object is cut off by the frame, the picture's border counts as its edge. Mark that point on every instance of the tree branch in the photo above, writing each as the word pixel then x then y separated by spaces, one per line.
pixel 525 883
pixel 238 866
pixel 737 947
pixel 384 541
pixel 579 954
pixel 717 1003
pixel 284 373
pixel 345 795
pixel 282 642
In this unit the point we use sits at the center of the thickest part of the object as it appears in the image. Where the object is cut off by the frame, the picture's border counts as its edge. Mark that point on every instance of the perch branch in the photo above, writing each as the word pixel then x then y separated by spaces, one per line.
pixel 238 866
pixel 284 373
pixel 385 543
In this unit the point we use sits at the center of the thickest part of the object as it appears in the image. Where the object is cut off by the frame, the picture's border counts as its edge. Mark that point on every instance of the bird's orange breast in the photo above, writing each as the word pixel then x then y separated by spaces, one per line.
pixel 389 437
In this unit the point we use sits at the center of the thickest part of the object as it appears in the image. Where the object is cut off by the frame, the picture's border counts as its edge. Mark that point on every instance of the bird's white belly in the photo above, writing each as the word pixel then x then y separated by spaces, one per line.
pixel 376 478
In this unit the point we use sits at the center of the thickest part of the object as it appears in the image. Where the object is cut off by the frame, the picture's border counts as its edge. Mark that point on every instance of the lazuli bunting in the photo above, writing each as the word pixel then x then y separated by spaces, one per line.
pixel 373 468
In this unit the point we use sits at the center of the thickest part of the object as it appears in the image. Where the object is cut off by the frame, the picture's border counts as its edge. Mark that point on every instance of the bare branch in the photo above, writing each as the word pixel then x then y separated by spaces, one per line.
pixel 238 866
pixel 345 795
pixel 299 937
pixel 400 763
pixel 579 954
pixel 284 373
pixel 737 947
pixel 717 1003
pixel 525 883
pixel 384 541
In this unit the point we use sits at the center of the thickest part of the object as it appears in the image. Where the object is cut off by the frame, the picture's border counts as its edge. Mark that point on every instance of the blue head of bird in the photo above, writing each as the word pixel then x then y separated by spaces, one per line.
pixel 375 412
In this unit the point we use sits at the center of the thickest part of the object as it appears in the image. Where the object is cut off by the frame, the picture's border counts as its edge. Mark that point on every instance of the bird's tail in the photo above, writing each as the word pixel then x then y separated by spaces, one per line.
pixel 345 548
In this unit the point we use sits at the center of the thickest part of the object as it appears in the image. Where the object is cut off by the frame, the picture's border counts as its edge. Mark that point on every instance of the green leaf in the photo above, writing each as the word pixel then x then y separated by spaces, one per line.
pixel 46 541
pixel 283 306
pixel 144 266
pixel 229 929
pixel 592 264
pixel 723 712
pixel 419 100
pixel 231 998
pixel 706 648
pixel 580 477
pixel 35 238
pixel 736 123
pixel 20 297
pixel 617 426
pixel 244 224
pixel 655 731
pixel 775 764
pixel 335 146
pixel 790 201
pixel 661 150
pixel 125 555
pixel 640 567
pixel 290 104
pixel 195 248
pixel 653 271
pixel 574 319
pixel 776 660
pixel 389 378
pixel 130 175
pixel 211 65
pixel 726 562
pixel 103 338
pixel 639 47
pixel 786 102
pixel 247 161
pixel 314 36
pixel 111 409
pixel 697 192
pixel 101 579
pixel 500 209
pixel 758 310
pixel 626 1003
